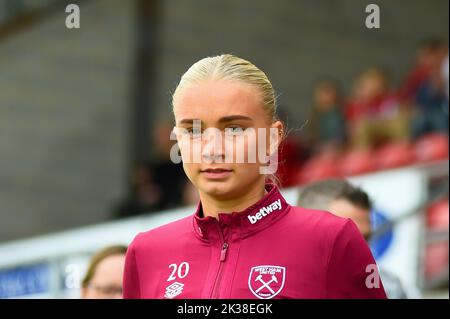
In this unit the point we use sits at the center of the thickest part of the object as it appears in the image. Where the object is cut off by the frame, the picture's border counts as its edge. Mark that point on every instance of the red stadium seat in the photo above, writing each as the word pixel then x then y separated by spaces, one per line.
pixel 436 259
pixel 437 255
pixel 290 158
pixel 357 162
pixel 394 155
pixel 318 168
pixel 432 147
pixel 438 214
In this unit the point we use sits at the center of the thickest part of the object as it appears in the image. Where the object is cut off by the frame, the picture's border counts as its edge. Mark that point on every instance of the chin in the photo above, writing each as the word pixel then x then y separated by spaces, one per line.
pixel 217 188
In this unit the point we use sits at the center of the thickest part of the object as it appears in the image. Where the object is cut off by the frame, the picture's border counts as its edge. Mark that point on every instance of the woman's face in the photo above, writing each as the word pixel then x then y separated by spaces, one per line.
pixel 107 280
pixel 216 157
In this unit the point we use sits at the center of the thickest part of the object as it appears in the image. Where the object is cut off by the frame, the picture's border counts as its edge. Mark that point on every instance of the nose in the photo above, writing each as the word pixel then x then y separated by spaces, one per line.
pixel 212 146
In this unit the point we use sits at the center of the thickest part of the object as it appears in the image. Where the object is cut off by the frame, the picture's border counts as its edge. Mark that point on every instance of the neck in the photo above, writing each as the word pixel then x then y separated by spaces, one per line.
pixel 212 206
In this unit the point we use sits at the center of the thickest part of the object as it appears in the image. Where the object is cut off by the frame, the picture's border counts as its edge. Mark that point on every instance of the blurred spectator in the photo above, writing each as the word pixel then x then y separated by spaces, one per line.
pixel 445 71
pixel 429 97
pixel 342 199
pixel 290 159
pixel 291 153
pixel 429 58
pixel 169 176
pixel 103 279
pixel 145 195
pixel 155 185
pixel 431 112
pixel 373 113
pixel 326 126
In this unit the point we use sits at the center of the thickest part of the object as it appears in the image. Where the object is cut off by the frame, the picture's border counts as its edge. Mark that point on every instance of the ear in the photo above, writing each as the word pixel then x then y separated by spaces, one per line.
pixel 276 136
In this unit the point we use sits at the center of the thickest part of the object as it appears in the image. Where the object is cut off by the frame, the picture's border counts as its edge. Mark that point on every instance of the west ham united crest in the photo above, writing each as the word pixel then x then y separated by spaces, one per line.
pixel 265 282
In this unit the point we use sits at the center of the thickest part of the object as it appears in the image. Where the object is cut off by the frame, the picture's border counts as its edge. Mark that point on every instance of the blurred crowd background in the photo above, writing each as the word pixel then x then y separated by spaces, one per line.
pixel 85 114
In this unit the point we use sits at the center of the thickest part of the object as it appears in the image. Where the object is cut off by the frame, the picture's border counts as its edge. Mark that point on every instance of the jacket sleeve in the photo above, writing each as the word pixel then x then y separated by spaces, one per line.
pixel 131 284
pixel 352 271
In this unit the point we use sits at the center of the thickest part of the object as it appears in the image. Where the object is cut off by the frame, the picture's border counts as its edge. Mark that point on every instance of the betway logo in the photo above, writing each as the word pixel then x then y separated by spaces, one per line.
pixel 263 212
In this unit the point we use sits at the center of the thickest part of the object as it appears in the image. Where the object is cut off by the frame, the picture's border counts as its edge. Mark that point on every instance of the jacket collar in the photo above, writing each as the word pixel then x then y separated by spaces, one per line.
pixel 254 218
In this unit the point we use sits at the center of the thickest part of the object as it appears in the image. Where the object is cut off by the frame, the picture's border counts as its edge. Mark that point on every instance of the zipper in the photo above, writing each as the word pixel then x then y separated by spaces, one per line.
pixel 223 256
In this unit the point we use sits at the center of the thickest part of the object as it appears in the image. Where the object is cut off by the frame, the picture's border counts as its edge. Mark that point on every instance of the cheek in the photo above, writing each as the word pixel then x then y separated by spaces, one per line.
pixel 186 150
pixel 237 149
pixel 191 171
pixel 252 148
pixel 190 150
pixel 241 147
pixel 247 148
pixel 189 167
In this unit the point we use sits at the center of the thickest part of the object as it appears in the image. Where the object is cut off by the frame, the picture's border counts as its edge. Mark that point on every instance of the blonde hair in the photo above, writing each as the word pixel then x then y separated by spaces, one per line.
pixel 233 68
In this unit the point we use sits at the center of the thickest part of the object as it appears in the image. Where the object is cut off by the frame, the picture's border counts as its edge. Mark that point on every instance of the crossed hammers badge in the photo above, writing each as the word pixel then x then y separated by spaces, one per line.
pixel 265 282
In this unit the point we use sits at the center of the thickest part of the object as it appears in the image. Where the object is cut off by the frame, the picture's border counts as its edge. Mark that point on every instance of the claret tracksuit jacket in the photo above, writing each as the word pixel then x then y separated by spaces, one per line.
pixel 269 250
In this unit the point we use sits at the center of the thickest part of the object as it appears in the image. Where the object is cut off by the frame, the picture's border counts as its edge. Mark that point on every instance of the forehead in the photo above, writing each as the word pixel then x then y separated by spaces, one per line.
pixel 213 99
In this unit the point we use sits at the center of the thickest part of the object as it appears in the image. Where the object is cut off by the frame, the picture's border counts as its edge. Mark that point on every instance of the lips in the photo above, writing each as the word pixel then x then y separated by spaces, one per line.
pixel 215 170
pixel 216 173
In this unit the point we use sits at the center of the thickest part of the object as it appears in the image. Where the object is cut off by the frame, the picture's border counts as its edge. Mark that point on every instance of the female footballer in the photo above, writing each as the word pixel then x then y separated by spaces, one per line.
pixel 244 240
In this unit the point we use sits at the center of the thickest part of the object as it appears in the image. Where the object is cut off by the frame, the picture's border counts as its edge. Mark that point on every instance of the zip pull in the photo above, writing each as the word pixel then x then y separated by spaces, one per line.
pixel 223 253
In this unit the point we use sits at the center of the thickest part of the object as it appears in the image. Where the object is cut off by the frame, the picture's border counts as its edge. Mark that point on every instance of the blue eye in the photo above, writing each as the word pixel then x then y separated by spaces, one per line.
pixel 234 130
pixel 194 132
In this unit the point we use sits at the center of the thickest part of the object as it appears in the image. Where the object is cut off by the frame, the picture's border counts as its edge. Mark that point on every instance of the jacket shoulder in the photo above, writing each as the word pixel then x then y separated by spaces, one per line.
pixel 314 226
pixel 319 220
